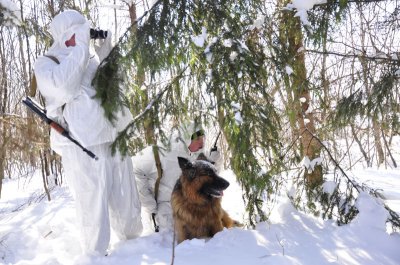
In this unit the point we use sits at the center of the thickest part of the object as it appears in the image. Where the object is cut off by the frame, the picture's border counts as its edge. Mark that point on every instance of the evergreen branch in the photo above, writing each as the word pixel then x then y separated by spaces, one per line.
pixel 111 73
pixel 355 185
pixel 292 144
pixel 387 144
pixel 394 217
pixel 130 28
pixel 158 96
pixel 120 140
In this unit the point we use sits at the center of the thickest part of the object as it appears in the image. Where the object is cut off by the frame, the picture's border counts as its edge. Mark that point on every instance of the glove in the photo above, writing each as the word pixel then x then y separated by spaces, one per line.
pixel 103 47
pixel 165 221
pixel 215 155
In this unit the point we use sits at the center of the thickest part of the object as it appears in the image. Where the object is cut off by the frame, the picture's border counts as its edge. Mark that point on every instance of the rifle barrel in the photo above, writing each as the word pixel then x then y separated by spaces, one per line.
pixel 216 140
pixel 36 110
pixel 37 105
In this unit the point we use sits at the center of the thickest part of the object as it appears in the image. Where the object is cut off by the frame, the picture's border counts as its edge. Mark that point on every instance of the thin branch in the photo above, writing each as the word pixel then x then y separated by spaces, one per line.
pixel 349 55
pixel 153 101
pixel 132 26
pixel 394 217
pixel 355 185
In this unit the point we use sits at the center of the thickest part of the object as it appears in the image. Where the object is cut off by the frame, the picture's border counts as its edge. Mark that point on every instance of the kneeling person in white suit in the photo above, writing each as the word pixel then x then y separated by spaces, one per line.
pixel 188 141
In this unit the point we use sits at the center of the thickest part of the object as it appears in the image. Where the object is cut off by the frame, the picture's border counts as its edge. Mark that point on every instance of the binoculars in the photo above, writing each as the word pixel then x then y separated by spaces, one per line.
pixel 98 34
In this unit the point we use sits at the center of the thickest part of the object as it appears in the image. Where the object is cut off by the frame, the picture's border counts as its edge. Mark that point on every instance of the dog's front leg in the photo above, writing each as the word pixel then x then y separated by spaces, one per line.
pixel 228 222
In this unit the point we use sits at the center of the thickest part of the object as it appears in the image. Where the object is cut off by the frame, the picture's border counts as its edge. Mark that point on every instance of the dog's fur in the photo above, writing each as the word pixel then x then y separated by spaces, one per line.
pixel 196 201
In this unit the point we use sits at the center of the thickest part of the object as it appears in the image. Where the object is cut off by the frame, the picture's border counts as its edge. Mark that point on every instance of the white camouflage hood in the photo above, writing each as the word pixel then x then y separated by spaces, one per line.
pixel 67 23
pixel 181 136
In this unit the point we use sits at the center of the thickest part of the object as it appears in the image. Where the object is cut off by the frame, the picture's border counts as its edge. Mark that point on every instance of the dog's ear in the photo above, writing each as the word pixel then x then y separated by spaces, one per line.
pixel 184 163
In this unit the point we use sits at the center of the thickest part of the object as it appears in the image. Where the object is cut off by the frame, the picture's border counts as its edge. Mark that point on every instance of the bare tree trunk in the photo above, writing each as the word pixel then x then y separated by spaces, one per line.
pixel 3 109
pixel 140 79
pixel 377 140
pixel 46 165
pixel 26 77
pixel 362 150
pixel 388 149
pixel 115 23
pixel 44 176
pixel 324 78
pixel 366 75
pixel 2 161
pixel 291 36
pixel 148 122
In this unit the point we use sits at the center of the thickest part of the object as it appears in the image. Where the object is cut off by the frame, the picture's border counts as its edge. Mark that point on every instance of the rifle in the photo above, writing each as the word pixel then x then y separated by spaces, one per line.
pixel 156 227
pixel 41 112
pixel 214 148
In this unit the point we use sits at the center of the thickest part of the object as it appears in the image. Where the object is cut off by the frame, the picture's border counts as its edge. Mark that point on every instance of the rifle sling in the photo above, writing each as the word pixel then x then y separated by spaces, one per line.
pixel 53 58
pixel 33 85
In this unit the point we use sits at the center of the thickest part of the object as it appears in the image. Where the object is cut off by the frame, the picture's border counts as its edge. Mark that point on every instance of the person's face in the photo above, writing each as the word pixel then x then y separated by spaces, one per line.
pixel 196 144
pixel 71 42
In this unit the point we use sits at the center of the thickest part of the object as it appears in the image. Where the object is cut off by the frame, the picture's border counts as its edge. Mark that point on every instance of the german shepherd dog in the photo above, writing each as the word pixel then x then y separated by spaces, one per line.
pixel 196 201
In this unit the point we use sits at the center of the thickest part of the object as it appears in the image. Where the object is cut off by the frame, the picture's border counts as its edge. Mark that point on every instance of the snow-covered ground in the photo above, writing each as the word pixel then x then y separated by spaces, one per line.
pixel 386 182
pixel 36 231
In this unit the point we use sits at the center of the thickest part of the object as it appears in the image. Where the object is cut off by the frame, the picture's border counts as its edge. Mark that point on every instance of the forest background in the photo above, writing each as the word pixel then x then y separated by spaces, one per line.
pixel 295 87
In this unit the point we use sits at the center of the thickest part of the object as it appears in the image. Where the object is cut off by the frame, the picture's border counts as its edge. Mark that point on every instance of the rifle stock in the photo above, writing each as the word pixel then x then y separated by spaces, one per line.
pixel 41 112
